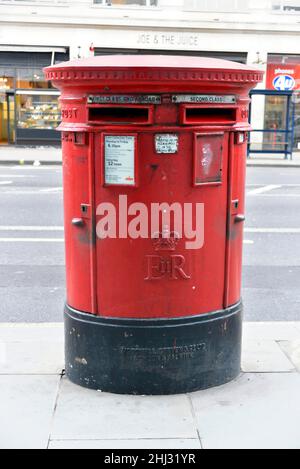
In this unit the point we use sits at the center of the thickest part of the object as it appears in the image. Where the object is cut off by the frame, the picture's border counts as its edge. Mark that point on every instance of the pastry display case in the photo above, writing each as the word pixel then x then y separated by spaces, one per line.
pixel 37 116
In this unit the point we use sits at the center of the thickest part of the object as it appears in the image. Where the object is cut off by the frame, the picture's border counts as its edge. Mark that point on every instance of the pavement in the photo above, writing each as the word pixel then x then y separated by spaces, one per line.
pixel 12 154
pixel 274 160
pixel 40 408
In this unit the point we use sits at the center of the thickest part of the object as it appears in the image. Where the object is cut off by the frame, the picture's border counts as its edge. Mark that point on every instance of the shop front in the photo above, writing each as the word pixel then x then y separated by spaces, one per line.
pixel 29 110
pixel 283 75
pixel 275 110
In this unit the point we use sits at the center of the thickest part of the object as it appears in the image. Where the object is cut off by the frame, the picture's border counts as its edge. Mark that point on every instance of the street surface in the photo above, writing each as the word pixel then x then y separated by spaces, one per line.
pixel 32 285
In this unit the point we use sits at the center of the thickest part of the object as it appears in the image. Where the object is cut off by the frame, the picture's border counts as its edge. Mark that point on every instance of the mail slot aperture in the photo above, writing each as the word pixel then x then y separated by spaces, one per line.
pixel 110 114
pixel 193 114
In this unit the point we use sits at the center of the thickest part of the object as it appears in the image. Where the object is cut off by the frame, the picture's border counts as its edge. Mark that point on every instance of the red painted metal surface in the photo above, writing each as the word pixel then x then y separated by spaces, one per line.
pixel 144 277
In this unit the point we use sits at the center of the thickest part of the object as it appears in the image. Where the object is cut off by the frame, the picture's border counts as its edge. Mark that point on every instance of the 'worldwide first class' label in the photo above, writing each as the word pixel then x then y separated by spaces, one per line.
pixel 124 99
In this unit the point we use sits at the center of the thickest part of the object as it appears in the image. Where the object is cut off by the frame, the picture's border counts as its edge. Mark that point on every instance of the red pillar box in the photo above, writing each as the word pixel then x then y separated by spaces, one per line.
pixel 154 155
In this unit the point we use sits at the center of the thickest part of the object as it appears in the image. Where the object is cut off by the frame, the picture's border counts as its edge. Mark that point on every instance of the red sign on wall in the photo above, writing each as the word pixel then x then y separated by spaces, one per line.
pixel 283 77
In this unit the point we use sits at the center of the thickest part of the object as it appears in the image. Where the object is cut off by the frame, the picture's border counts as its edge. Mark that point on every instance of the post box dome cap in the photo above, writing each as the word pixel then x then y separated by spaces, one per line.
pixel 151 61
pixel 152 68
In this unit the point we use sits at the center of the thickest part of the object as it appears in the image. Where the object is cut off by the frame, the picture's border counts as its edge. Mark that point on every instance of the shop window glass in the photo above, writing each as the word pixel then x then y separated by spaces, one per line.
pixel 6 79
pixel 32 78
pixel 37 111
pixel 275 120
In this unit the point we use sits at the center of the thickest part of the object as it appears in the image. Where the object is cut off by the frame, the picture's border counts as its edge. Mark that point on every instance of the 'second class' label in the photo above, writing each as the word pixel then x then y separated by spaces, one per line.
pixel 203 99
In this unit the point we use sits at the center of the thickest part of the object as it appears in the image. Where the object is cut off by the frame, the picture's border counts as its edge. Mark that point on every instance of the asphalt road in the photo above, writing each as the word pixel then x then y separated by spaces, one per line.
pixel 32 285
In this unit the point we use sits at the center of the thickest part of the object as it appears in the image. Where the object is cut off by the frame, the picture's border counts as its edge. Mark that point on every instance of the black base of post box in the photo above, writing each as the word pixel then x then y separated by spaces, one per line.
pixel 154 356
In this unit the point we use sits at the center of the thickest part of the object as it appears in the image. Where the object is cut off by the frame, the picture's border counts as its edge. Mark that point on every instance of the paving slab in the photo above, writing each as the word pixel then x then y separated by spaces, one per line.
pixel 264 356
pixel 26 409
pixel 254 411
pixel 191 443
pixel 292 351
pixel 271 330
pixel 41 358
pixel 32 332
pixel 35 349
pixel 111 416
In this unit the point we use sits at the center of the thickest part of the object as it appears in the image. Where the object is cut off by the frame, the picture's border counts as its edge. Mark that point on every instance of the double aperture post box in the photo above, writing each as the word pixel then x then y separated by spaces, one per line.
pixel 154 152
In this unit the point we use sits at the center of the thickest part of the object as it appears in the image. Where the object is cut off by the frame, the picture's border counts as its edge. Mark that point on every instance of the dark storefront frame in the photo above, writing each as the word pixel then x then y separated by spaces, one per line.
pixel 240 57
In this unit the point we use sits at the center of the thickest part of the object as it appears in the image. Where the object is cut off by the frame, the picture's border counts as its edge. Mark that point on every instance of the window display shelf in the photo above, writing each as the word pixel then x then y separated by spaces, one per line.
pixel 38 113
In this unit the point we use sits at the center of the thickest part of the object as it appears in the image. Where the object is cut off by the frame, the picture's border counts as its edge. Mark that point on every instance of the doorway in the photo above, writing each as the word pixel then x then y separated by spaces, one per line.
pixel 7 118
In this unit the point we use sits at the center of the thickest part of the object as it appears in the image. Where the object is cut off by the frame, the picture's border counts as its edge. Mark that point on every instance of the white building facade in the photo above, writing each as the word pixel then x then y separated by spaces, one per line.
pixel 33 34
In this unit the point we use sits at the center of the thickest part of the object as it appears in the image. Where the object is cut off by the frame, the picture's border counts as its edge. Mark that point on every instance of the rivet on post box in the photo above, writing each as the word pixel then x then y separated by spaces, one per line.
pixel 154 178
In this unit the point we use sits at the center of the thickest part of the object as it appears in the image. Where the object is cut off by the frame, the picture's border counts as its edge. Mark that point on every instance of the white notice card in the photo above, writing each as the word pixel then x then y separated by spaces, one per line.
pixel 119 159
pixel 166 143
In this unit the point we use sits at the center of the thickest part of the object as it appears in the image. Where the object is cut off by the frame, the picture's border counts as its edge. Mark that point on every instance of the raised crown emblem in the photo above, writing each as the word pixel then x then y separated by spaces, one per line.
pixel 165 240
